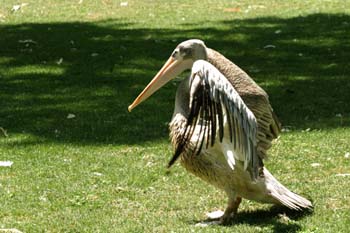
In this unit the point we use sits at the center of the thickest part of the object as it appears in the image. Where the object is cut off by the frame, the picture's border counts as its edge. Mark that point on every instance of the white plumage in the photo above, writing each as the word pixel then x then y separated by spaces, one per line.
pixel 222 127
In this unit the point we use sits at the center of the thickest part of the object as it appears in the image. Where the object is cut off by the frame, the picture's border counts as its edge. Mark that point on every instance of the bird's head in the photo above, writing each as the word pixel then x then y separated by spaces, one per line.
pixel 181 59
pixel 193 49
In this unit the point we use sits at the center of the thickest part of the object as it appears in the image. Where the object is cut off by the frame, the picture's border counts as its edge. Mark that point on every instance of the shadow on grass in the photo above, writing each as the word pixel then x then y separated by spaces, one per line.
pixel 281 218
pixel 95 70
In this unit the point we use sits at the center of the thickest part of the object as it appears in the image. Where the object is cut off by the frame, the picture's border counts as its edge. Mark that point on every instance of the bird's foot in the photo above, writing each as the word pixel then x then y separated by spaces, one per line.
pixel 219 217
pixel 215 215
pixel 213 218
pixel 227 218
pixel 231 211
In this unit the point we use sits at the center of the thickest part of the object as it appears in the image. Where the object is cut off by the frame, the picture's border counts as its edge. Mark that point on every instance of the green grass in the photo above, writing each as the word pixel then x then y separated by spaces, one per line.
pixel 104 170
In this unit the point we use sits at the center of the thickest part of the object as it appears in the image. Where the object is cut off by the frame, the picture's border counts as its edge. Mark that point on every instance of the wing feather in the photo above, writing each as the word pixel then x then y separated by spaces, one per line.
pixel 215 104
pixel 253 96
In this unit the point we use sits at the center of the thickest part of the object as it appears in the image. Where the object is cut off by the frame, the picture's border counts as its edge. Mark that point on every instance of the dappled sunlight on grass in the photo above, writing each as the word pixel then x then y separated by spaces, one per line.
pixel 103 68
pixel 34 70
pixel 68 71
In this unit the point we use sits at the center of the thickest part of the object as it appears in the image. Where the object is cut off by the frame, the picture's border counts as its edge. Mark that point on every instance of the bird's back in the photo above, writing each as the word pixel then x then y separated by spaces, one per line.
pixel 254 97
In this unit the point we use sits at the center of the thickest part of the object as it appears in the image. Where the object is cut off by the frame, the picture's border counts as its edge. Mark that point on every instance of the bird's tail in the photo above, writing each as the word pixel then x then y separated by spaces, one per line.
pixel 284 196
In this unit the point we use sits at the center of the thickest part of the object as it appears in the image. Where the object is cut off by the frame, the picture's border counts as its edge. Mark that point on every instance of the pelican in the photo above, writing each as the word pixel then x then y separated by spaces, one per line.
pixel 222 127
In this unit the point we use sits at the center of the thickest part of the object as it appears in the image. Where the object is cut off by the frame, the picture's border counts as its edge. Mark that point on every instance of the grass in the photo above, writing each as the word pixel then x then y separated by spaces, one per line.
pixel 104 170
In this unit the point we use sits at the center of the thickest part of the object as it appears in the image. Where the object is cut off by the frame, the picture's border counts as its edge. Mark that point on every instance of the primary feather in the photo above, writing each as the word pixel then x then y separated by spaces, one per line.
pixel 211 97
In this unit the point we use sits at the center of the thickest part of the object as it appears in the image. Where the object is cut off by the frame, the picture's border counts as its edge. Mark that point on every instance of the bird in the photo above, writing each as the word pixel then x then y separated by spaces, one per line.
pixel 222 127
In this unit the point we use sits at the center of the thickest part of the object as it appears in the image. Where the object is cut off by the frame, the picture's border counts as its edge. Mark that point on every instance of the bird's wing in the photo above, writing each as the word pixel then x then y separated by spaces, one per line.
pixel 253 96
pixel 269 126
pixel 215 106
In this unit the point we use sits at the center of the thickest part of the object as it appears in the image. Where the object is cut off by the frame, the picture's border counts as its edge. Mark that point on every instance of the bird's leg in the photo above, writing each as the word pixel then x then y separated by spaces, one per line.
pixel 231 210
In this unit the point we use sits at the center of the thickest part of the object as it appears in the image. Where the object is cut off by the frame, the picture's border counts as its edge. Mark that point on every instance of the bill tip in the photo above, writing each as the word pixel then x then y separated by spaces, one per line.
pixel 130 108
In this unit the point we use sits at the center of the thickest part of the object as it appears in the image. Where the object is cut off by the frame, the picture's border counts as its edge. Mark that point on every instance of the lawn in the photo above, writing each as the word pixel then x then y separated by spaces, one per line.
pixel 82 163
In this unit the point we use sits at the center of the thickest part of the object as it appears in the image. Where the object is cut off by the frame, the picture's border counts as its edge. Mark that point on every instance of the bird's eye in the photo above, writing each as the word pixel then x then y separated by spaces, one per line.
pixel 175 53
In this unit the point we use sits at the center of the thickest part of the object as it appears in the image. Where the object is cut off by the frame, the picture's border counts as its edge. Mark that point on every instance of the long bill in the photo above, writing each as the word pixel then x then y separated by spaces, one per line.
pixel 170 70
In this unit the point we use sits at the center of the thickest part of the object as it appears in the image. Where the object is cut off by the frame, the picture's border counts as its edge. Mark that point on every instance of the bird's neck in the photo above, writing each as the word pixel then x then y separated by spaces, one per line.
pixel 182 98
pixel 181 112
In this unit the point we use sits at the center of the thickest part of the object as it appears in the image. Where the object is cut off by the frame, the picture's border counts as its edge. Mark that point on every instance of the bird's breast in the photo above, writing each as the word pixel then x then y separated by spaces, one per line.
pixel 210 164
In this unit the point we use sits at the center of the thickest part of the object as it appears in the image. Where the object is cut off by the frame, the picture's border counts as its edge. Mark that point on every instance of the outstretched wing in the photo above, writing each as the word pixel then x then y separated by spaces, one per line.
pixel 253 96
pixel 218 110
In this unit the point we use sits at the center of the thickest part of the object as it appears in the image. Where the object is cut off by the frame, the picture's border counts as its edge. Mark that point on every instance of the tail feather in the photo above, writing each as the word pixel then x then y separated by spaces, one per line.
pixel 292 200
pixel 284 196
